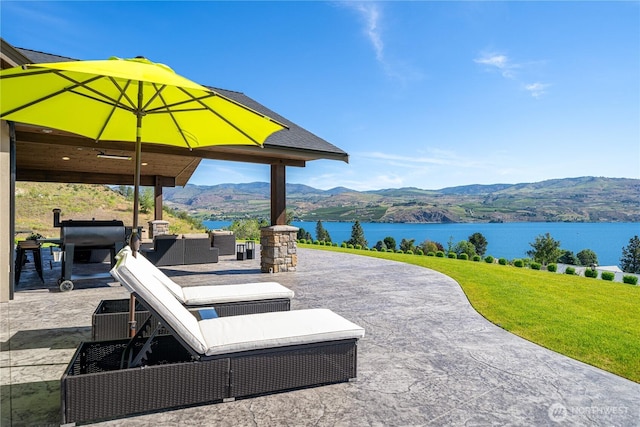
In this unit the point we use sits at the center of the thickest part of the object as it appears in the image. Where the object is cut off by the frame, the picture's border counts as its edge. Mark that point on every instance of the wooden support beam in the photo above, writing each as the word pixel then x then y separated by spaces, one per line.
pixel 157 201
pixel 91 178
pixel 278 195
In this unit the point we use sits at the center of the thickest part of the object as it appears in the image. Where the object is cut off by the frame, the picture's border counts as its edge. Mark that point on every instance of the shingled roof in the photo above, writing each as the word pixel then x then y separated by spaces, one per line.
pixel 294 138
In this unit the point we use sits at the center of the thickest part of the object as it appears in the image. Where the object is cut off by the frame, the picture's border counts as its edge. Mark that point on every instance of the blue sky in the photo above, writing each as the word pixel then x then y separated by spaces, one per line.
pixel 420 94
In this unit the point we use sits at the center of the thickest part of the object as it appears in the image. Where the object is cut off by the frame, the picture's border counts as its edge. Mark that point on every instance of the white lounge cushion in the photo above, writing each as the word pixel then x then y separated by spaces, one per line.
pixel 276 329
pixel 212 294
pixel 138 279
pixel 201 295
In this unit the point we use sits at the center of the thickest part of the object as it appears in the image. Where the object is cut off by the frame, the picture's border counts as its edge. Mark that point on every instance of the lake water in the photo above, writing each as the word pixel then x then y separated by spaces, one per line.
pixel 507 240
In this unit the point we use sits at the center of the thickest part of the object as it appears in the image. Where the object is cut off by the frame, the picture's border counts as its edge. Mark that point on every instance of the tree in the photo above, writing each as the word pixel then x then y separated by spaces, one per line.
pixel 479 242
pixel 380 245
pixel 429 246
pixel 568 257
pixel 321 233
pixel 407 245
pixel 464 247
pixel 630 261
pixel 390 243
pixel 304 234
pixel 545 249
pixel 357 235
pixel 146 200
pixel 247 229
pixel 587 257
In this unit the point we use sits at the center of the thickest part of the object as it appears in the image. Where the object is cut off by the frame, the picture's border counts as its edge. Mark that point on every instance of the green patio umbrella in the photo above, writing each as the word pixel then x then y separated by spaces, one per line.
pixel 128 100
pixel 132 100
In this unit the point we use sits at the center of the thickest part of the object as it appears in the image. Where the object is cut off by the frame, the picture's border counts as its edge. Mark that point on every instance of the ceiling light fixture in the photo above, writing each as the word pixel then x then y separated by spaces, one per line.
pixel 113 156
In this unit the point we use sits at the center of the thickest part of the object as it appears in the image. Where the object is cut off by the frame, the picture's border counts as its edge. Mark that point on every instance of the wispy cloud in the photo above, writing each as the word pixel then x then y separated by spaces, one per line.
pixel 372 16
pixel 500 62
pixel 511 70
pixel 537 89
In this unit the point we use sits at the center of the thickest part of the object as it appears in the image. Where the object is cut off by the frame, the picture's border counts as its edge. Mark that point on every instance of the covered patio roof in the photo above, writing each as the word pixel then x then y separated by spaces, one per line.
pixel 49 155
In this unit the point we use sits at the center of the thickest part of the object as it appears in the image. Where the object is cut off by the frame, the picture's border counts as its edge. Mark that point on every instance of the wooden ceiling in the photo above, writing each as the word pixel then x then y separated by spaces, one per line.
pixel 48 155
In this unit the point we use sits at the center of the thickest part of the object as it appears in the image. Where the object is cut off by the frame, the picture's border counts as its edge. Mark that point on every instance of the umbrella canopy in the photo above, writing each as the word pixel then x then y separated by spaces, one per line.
pixel 128 100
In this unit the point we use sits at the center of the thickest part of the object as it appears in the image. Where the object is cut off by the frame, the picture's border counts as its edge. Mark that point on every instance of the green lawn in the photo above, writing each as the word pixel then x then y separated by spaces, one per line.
pixel 591 320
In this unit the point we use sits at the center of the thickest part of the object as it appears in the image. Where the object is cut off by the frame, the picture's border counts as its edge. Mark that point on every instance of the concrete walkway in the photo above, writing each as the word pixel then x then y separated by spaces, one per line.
pixel 427 359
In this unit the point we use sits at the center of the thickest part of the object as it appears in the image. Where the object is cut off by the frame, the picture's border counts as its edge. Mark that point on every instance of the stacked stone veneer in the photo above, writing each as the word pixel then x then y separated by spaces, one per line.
pixel 158 227
pixel 278 249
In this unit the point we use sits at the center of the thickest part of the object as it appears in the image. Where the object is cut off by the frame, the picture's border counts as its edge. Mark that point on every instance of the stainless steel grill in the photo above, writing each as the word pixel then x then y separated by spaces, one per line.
pixel 86 235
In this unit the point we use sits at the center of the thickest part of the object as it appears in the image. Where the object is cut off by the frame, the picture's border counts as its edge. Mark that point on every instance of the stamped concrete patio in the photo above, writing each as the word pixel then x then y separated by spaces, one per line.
pixel 427 358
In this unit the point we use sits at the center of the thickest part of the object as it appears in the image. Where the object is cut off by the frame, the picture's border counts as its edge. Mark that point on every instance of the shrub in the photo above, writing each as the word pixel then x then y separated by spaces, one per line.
pixel 383 249
pixel 477 258
pixel 419 252
pixel 608 275
pixel 358 247
pixel 570 271
pixel 399 251
pixel 464 257
pixel 440 254
pixel 452 255
pixel 335 244
pixel 630 280
pixel 502 261
pixel 489 259
pixel 343 245
pixel 374 249
pixel 350 246
pixel 535 266
pixel 589 272
pixel 518 263
pixel 316 242
pixel 552 268
pixel 409 252
pixel 431 254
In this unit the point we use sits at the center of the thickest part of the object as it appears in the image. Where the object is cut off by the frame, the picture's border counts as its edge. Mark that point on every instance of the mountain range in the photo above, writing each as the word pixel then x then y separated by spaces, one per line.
pixel 583 199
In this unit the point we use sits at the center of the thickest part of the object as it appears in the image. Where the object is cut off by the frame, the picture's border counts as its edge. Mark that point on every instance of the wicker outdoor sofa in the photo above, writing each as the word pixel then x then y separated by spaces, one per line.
pixel 110 320
pixel 203 361
pixel 181 250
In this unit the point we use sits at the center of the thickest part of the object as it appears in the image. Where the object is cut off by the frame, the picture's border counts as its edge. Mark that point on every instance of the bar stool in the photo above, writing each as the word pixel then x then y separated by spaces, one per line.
pixel 25 246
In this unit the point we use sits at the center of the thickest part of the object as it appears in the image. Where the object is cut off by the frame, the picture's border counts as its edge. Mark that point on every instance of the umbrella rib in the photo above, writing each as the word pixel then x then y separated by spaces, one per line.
pixel 115 105
pixel 224 118
pixel 155 95
pixel 175 104
pixel 123 92
pixel 173 118
pixel 51 95
pixel 100 95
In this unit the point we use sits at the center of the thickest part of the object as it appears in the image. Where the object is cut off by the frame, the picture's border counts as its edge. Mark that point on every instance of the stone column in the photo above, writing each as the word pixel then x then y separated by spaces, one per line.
pixel 158 227
pixel 278 248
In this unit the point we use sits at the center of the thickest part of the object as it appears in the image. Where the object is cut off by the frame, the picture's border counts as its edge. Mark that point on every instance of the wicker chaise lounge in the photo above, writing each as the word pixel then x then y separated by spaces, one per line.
pixel 204 361
pixel 111 317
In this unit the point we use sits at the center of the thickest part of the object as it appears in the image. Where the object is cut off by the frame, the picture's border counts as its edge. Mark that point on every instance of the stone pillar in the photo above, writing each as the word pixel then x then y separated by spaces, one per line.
pixel 278 248
pixel 158 227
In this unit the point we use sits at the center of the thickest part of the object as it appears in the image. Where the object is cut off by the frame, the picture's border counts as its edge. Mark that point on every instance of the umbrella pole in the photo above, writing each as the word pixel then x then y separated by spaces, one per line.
pixel 135 239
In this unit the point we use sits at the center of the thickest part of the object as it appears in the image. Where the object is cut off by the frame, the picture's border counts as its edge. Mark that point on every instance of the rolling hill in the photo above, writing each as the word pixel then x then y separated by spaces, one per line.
pixel 584 199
